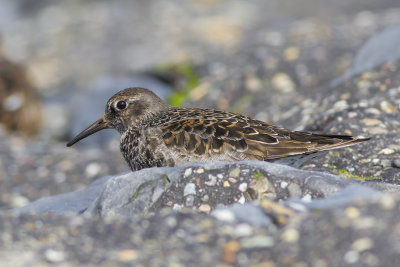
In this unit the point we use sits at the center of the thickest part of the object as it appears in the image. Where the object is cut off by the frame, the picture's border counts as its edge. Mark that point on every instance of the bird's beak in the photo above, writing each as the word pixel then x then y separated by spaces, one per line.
pixel 99 125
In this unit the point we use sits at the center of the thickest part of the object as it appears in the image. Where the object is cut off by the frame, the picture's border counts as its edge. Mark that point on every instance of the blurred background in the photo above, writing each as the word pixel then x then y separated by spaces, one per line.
pixel 61 61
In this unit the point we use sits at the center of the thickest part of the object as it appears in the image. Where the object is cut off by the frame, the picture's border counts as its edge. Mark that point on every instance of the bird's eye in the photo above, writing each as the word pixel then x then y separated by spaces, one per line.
pixel 121 105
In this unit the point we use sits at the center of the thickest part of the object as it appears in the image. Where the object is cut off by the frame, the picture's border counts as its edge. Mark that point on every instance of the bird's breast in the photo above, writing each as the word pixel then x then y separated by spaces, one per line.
pixel 144 149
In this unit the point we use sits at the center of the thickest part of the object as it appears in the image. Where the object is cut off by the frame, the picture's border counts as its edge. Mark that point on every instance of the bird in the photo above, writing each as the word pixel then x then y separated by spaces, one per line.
pixel 156 134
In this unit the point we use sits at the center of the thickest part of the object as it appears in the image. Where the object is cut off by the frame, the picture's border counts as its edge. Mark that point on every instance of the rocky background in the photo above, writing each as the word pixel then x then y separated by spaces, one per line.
pixel 317 65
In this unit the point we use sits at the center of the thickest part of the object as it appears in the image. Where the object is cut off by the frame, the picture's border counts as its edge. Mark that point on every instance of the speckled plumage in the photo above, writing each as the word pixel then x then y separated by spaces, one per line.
pixel 154 133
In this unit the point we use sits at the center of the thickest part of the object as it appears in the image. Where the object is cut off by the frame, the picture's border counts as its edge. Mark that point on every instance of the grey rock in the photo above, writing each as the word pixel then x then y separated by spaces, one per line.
pixel 380 48
pixel 153 189
pixel 75 202
pixel 133 192
pixel 345 196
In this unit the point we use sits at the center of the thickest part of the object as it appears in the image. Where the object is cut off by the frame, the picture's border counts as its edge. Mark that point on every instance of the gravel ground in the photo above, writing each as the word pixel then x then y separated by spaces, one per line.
pixel 274 60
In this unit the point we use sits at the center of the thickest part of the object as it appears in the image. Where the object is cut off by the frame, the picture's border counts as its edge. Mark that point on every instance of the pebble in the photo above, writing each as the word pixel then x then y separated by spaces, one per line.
pixel 363 161
pixel 386 151
pixel 376 161
pixel 232 180
pixel 127 255
pixel 351 256
pixel 226 184
pixel 66 165
pixel 234 173
pixel 257 242
pixel 291 53
pixel 340 105
pixel 200 171
pixel 362 244
pixel 242 200
pixel 13 102
pixel 171 221
pixel 352 114
pixel 205 198
pixel 189 201
pixel 224 215
pixel 284 184
pixel 387 107
pixel 363 103
pixel 307 198
pixel 263 188
pixel 242 187
pixel 187 172
pixel 283 82
pixel 92 169
pixel 243 229
pixel 352 212
pixel 253 83
pixel 53 255
pixel 387 202
pixel 230 250
pixel 377 130
pixel 60 177
pixel 190 189
pixel 364 223
pixel 290 235
pixel 204 208
pixel 212 181
pixel 19 201
pixel 373 111
pixel 177 207
pixel 371 122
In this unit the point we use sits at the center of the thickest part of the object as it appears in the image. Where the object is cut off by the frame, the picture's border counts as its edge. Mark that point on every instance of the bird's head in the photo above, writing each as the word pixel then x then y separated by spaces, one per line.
pixel 127 108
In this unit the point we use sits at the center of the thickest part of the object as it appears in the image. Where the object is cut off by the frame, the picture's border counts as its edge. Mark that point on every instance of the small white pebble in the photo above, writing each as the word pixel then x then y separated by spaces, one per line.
pixel 351 256
pixel 18 201
pixel 243 187
pixel 53 255
pixel 171 221
pixel 258 242
pixel 13 102
pixel 200 170
pixel 243 229
pixel 284 184
pixel 60 177
pixel 224 215
pixel 376 161
pixel 242 200
pixel 363 244
pixel 177 207
pixel 352 114
pixel 340 105
pixel 212 181
pixel 92 169
pixel 306 198
pixel 187 172
pixel 290 235
pixel 386 151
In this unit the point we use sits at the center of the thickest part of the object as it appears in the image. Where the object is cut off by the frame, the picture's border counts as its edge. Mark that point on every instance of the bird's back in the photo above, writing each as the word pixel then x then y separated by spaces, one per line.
pixel 203 134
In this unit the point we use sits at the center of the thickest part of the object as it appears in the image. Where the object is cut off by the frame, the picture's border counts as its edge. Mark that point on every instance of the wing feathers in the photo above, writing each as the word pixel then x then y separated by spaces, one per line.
pixel 208 132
